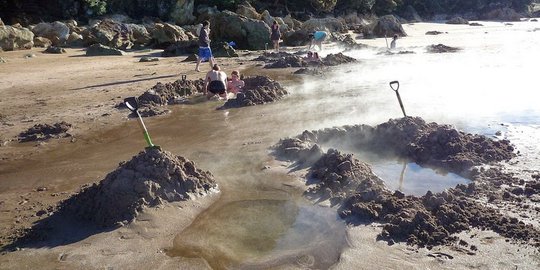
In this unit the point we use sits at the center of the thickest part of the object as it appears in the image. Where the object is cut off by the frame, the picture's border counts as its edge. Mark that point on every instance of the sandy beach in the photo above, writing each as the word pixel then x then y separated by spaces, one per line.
pixel 37 88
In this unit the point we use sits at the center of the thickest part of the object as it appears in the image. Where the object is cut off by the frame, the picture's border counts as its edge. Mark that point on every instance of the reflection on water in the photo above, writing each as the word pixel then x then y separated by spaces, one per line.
pixel 412 179
pixel 263 233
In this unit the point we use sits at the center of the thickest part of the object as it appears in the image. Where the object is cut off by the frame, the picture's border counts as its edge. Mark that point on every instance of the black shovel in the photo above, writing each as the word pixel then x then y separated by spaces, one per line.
pixel 395 86
pixel 133 105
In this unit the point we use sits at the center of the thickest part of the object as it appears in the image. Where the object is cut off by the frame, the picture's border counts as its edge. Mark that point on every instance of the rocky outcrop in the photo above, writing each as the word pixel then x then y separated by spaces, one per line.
pixel 388 26
pixel 182 12
pixel 248 11
pixel 109 33
pixel 42 42
pixel 326 24
pixel 246 33
pixel 166 33
pixel 57 32
pixel 99 50
pixel 15 38
pixel 141 36
pixel 149 179
pixel 457 20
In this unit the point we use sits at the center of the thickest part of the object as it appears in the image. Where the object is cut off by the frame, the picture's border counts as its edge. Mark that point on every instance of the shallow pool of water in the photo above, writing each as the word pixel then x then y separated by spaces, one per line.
pixel 262 234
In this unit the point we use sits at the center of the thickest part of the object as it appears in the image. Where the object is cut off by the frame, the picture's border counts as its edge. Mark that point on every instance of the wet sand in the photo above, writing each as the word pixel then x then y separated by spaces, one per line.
pixel 83 91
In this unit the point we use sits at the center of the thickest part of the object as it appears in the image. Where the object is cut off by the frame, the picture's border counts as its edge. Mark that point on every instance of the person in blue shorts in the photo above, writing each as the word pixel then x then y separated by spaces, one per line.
pixel 317 39
pixel 205 53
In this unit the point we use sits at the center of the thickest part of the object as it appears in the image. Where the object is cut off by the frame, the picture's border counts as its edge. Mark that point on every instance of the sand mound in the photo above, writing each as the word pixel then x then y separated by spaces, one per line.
pixel 411 137
pixel 441 48
pixel 288 61
pixel 425 221
pixel 337 59
pixel 148 179
pixel 257 90
pixel 168 93
pixel 42 132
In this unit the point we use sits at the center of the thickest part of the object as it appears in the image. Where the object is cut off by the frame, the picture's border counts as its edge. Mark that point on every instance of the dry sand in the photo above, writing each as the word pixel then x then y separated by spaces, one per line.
pixel 82 91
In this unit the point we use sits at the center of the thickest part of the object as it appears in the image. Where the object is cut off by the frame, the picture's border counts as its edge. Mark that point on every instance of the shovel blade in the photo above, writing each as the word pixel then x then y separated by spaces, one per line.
pixel 132 103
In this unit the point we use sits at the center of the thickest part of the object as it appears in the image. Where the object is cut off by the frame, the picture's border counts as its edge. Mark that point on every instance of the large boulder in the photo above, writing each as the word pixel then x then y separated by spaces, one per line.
pixel 15 38
pixel 42 42
pixel 457 20
pixel 98 50
pixel 109 33
pixel 248 11
pixel 140 34
pixel 57 32
pixel 1 22
pixel 75 40
pixel 296 38
pixel 182 12
pixel 246 33
pixel 327 24
pixel 166 33
pixel 269 20
pixel 292 23
pixel 388 26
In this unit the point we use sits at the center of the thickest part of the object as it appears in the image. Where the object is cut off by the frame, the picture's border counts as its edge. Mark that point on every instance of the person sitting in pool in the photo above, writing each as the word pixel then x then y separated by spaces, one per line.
pixel 216 83
pixel 235 84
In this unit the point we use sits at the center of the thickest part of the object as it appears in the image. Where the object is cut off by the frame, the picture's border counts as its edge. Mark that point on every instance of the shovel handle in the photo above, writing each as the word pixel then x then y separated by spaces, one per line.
pixel 392 83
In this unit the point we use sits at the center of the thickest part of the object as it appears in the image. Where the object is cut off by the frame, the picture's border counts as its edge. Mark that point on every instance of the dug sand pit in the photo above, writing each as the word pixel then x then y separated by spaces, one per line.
pixel 428 220
pixel 43 132
pixel 257 90
pixel 148 179
pixel 167 94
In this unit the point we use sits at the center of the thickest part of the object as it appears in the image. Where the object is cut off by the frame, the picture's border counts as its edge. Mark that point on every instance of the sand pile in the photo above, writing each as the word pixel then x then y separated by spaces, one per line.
pixel 412 138
pixel 257 90
pixel 42 132
pixel 148 179
pixel 441 48
pixel 425 221
pixel 337 59
pixel 288 61
pixel 168 93
pixel 150 102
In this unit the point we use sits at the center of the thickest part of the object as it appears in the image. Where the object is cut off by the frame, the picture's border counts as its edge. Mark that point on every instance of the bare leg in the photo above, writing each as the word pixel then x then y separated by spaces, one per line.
pixel 211 61
pixel 198 63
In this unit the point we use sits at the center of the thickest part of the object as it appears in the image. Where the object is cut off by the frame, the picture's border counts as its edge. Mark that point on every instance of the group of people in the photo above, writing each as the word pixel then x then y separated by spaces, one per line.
pixel 216 81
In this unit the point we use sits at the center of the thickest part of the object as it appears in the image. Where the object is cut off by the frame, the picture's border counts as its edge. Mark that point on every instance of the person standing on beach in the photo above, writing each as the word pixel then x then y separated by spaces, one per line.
pixel 317 39
pixel 216 83
pixel 205 53
pixel 393 43
pixel 275 36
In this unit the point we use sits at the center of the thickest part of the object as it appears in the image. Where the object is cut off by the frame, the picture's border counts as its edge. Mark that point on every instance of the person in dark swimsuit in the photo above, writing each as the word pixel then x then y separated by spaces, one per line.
pixel 275 36
pixel 216 83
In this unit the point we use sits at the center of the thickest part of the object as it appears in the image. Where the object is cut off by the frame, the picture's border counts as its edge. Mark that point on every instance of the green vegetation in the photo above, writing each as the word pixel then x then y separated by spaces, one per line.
pixel 12 11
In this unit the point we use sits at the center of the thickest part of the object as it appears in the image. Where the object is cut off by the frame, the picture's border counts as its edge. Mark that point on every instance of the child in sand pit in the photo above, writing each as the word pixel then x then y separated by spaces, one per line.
pixel 235 85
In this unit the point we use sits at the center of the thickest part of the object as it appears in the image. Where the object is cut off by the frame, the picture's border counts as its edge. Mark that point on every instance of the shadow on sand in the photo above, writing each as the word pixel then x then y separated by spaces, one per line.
pixel 59 229
pixel 126 81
